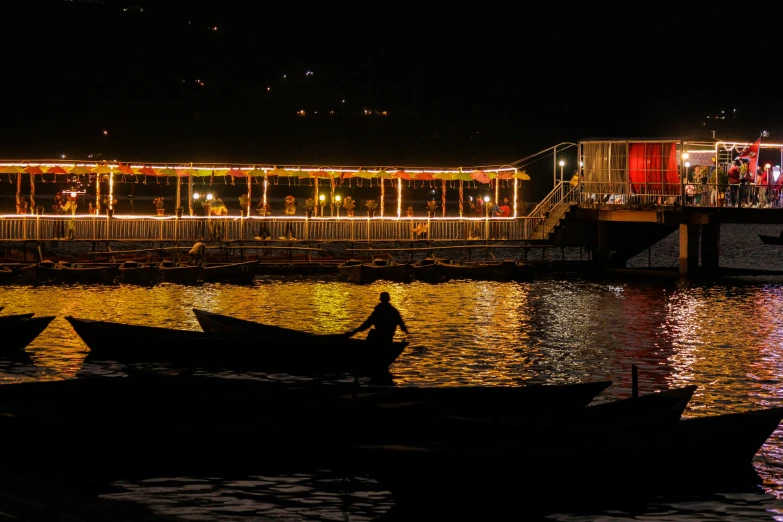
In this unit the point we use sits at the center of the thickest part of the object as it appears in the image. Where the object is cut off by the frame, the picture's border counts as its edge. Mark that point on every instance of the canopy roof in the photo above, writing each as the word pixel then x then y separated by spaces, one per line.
pixel 481 174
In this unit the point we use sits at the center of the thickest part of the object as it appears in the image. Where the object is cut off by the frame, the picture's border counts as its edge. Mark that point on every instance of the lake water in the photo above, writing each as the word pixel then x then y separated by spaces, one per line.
pixel 727 338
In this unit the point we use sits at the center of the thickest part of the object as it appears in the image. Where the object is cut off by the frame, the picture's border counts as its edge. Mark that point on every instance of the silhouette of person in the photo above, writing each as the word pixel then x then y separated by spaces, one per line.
pixel 385 318
pixel 59 225
pixel 264 210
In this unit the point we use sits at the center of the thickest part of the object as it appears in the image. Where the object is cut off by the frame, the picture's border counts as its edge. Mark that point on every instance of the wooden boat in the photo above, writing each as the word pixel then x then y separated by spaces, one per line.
pixel 27 274
pixel 43 273
pixel 180 273
pixel 653 411
pixel 19 331
pixel 771 240
pixel 522 272
pixel 479 270
pixel 88 273
pixel 425 270
pixel 355 271
pixel 693 454
pixel 139 273
pixel 13 317
pixel 242 273
pixel 212 322
pixel 315 353
pixel 7 275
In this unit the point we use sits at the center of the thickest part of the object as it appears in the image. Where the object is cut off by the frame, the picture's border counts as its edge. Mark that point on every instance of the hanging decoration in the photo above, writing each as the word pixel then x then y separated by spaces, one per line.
pixel 190 191
pixel 331 183
pixel 32 192
pixel 315 196
pixel 383 190
pixel 461 197
pixel 399 197
pixel 178 197
pixel 266 186
pixel 111 192
pixel 443 197
pixel 249 191
pixel 19 193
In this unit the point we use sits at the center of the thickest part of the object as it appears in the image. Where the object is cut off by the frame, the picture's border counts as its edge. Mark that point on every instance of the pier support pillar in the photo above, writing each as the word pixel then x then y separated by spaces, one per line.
pixel 689 249
pixel 710 247
pixel 604 243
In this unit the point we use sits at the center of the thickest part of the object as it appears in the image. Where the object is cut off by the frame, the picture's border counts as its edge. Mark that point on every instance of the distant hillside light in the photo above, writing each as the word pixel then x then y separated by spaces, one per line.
pixel 105 133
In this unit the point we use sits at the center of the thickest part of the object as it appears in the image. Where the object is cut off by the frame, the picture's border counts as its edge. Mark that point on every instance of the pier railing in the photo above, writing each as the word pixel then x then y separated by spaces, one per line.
pixel 229 228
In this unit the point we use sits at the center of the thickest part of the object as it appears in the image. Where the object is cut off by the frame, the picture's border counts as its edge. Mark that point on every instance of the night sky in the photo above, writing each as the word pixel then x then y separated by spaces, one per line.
pixel 463 85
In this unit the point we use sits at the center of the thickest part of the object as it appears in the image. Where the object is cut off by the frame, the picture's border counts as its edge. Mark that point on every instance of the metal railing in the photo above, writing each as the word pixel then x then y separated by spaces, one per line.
pixel 233 228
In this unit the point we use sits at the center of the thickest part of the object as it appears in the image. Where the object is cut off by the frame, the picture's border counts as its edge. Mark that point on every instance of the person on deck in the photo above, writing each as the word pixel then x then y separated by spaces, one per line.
pixel 69 207
pixel 196 254
pixel 264 210
pixel 734 182
pixel 385 318
pixel 59 225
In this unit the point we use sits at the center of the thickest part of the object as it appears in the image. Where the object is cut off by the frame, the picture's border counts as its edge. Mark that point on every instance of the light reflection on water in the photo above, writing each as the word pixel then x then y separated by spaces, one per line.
pixel 728 340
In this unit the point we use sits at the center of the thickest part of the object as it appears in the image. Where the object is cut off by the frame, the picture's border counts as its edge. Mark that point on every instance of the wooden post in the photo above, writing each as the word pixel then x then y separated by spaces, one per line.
pixel 190 190
pixel 383 194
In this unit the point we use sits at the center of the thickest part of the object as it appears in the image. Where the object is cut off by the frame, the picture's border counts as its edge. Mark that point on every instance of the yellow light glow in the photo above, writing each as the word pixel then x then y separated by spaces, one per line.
pixel 338 199
pixel 322 198
pixel 196 195
pixel 399 197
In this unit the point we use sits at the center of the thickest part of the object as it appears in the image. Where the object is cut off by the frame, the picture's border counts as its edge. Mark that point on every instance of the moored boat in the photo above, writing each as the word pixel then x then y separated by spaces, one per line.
pixel 242 273
pixel 7 275
pixel 88 273
pixel 695 453
pixel 522 272
pixel 19 331
pixel 355 271
pixel 479 270
pixel 425 270
pixel 771 240
pixel 315 353
pixel 139 273
pixel 212 322
pixel 180 273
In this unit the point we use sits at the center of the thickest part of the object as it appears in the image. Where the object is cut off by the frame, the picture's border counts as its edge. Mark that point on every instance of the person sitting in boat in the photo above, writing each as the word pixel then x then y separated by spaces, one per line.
pixel 385 318
pixel 196 254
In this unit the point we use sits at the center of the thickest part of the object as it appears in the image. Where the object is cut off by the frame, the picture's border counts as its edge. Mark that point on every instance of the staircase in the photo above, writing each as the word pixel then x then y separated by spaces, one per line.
pixel 548 213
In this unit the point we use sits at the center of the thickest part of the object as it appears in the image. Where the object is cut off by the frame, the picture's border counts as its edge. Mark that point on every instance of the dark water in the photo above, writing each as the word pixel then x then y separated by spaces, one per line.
pixel 726 338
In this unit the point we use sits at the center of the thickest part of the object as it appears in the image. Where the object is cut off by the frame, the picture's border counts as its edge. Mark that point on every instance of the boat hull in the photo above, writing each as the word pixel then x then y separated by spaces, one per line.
pixel 694 454
pixel 363 273
pixel 234 273
pixel 313 353
pixel 179 273
pixel 143 274
pixel 771 240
